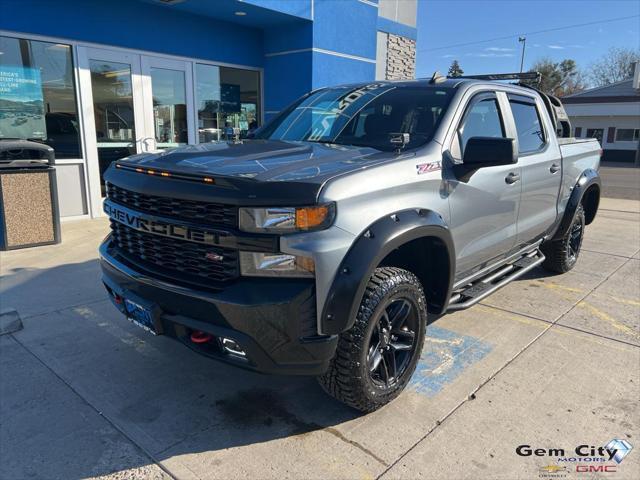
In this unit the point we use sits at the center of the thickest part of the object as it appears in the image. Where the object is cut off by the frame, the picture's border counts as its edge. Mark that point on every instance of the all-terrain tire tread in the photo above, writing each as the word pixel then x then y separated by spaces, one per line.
pixel 342 380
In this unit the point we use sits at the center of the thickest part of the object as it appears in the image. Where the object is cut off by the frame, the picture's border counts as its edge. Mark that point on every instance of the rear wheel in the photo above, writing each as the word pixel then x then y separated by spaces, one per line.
pixel 377 356
pixel 562 254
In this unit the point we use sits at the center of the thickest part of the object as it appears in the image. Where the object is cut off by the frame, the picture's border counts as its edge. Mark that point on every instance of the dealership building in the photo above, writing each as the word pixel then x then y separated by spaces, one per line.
pixel 99 80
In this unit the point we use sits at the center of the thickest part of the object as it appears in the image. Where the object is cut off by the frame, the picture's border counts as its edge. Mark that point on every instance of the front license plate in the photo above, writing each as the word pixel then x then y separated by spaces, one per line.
pixel 140 315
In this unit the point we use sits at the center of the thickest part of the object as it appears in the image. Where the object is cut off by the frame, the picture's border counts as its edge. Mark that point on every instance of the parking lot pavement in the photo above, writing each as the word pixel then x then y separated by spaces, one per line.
pixel 549 361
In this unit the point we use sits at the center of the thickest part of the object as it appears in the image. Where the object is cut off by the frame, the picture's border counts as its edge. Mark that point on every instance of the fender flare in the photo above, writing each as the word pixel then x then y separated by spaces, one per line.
pixel 368 250
pixel 587 179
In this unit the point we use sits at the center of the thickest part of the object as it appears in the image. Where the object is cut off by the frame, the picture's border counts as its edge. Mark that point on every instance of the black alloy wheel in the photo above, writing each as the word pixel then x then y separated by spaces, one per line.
pixel 562 253
pixel 576 234
pixel 392 342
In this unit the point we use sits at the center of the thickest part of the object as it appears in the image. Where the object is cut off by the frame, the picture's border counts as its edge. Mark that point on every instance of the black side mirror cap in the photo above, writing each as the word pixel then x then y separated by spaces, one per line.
pixel 489 152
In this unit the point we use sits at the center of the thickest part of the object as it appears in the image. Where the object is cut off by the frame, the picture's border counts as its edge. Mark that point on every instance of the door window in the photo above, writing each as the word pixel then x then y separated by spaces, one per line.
pixel 482 119
pixel 169 107
pixel 528 125
pixel 112 91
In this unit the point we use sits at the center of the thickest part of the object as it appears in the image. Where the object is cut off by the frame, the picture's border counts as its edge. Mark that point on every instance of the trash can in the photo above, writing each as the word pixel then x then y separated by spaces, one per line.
pixel 28 195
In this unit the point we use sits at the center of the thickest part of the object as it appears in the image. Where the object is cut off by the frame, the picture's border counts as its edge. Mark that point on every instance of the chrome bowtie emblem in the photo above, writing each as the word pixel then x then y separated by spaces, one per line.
pixel 214 257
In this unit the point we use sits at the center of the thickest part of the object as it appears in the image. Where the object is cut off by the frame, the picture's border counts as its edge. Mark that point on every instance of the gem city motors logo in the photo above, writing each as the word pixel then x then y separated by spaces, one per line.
pixel 586 458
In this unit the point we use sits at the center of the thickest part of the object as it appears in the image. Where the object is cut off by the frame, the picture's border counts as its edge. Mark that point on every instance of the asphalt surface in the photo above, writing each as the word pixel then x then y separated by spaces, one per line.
pixel 620 180
pixel 550 361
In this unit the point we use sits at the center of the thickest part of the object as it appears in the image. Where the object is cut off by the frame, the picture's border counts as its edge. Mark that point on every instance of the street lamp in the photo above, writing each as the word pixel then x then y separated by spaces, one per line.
pixel 522 40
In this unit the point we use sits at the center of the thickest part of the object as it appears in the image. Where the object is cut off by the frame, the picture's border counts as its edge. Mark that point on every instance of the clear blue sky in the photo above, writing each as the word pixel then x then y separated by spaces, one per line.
pixel 445 23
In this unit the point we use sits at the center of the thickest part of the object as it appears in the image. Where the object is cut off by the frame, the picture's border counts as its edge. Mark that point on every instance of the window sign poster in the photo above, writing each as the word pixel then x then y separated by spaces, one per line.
pixel 21 103
pixel 230 98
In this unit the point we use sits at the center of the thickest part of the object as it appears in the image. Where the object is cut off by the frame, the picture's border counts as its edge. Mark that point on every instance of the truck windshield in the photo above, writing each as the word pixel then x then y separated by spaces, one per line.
pixel 366 116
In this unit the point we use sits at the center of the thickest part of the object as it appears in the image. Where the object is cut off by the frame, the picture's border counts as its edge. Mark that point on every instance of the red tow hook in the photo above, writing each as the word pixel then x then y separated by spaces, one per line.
pixel 200 337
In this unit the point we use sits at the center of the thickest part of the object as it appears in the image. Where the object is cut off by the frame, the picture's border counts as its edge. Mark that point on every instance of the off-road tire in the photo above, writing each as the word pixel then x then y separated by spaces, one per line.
pixel 348 377
pixel 558 252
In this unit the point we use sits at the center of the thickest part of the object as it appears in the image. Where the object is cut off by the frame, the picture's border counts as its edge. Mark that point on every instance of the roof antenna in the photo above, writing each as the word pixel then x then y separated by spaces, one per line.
pixel 437 77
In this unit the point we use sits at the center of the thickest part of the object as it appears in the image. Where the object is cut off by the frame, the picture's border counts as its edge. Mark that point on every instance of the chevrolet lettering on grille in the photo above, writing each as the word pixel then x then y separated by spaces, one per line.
pixel 139 222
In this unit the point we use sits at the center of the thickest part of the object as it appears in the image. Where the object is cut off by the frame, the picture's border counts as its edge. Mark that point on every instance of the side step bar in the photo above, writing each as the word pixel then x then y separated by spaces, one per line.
pixel 471 294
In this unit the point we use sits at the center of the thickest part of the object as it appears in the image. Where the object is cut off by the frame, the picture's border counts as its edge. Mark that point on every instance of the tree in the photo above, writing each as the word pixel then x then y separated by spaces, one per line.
pixel 614 66
pixel 455 70
pixel 558 78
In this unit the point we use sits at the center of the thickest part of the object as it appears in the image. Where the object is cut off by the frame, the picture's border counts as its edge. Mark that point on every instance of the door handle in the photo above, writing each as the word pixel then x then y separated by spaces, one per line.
pixel 555 168
pixel 512 178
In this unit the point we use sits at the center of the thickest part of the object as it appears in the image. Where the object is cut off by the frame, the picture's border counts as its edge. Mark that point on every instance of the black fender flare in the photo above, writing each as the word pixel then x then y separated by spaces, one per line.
pixel 587 179
pixel 368 250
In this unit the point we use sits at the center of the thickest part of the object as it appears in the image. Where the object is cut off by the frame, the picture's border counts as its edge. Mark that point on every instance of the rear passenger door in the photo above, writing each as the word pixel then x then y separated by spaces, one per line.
pixel 484 206
pixel 541 168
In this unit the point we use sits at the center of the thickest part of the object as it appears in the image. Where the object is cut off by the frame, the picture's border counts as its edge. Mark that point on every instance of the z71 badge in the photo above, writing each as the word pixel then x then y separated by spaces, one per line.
pixel 428 167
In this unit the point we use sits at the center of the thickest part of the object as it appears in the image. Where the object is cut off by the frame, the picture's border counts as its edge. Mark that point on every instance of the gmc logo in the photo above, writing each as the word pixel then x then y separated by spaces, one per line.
pixel 596 468
pixel 138 222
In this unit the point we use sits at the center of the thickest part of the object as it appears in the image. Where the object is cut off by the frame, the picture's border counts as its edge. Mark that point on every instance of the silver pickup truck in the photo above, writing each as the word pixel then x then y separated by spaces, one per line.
pixel 319 246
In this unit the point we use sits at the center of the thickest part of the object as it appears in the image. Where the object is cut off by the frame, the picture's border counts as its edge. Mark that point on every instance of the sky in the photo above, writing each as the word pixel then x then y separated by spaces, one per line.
pixel 445 24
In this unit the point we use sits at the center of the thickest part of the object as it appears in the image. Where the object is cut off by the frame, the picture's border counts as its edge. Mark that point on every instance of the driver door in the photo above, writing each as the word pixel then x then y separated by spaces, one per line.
pixel 484 204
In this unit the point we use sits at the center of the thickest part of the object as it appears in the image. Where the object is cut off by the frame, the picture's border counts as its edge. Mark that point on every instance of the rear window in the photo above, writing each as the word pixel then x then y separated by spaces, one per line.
pixel 528 125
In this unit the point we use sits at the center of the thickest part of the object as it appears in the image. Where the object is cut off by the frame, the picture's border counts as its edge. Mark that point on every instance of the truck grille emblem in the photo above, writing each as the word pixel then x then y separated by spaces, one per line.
pixel 214 257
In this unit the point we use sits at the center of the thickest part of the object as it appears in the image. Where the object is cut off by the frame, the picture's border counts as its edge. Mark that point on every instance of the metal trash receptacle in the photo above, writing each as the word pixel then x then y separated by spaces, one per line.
pixel 28 195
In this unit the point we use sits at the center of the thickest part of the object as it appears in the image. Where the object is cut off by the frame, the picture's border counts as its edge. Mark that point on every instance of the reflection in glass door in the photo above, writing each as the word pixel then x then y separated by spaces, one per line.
pixel 169 108
pixel 113 111
pixel 168 101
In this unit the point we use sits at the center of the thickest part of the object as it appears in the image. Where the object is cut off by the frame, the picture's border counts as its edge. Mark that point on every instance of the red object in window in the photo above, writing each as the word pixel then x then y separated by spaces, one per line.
pixel 200 337
pixel 611 134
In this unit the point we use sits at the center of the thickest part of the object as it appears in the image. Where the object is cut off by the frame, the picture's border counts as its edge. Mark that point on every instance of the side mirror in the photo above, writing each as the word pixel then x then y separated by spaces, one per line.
pixel 489 152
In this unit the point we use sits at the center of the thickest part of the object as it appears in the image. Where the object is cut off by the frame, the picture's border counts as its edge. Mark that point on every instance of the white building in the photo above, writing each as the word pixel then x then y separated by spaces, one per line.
pixel 612 115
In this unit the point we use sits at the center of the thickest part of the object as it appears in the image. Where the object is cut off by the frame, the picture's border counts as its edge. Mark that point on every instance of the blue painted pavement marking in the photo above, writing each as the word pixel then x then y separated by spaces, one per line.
pixel 445 356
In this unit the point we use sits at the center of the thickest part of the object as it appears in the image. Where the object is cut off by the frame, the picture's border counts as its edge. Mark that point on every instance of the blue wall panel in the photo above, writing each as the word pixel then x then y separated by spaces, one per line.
pixel 347 26
pixel 293 36
pixel 297 8
pixel 136 25
pixel 332 70
pixel 286 77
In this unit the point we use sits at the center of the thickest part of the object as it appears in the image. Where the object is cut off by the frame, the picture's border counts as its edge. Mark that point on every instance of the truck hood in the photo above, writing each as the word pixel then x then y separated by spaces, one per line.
pixel 263 160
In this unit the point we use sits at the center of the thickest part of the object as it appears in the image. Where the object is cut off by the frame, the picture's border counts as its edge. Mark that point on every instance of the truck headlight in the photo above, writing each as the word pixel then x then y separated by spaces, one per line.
pixel 255 264
pixel 287 219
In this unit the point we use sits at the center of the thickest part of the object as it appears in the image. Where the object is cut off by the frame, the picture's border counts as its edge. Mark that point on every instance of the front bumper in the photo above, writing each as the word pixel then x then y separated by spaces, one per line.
pixel 272 320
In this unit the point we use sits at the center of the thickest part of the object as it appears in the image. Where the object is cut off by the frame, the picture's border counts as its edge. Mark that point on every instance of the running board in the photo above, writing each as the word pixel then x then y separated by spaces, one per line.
pixel 469 295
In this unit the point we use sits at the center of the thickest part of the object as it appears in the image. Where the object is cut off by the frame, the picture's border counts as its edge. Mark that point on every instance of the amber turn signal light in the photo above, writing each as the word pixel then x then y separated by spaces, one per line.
pixel 308 218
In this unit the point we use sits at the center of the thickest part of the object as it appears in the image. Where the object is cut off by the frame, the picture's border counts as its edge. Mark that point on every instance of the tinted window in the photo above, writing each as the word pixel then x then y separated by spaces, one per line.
pixel 227 100
pixel 596 133
pixel 481 120
pixel 365 116
pixel 626 135
pixel 530 132
pixel 38 95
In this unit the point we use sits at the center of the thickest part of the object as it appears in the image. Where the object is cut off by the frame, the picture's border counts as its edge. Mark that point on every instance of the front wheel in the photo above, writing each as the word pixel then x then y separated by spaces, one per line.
pixel 377 356
pixel 562 254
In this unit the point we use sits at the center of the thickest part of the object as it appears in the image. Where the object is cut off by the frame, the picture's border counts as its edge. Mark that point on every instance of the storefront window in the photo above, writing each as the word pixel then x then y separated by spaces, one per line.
pixel 38 95
pixel 227 102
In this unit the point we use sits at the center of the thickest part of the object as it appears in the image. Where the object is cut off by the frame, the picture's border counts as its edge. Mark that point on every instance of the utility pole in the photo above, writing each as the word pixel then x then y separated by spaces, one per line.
pixel 523 41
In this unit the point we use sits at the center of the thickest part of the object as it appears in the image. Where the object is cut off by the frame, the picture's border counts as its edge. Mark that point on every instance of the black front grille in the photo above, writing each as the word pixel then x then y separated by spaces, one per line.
pixel 179 260
pixel 204 213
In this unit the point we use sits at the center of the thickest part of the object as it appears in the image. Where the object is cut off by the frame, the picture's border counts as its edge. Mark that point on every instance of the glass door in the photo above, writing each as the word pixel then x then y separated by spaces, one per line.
pixel 168 102
pixel 113 107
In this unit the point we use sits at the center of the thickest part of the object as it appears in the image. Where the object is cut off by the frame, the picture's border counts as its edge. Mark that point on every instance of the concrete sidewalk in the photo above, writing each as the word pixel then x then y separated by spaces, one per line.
pixel 549 361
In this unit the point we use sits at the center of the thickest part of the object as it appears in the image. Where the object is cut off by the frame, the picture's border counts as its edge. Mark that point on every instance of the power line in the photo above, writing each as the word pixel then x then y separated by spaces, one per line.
pixel 506 37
